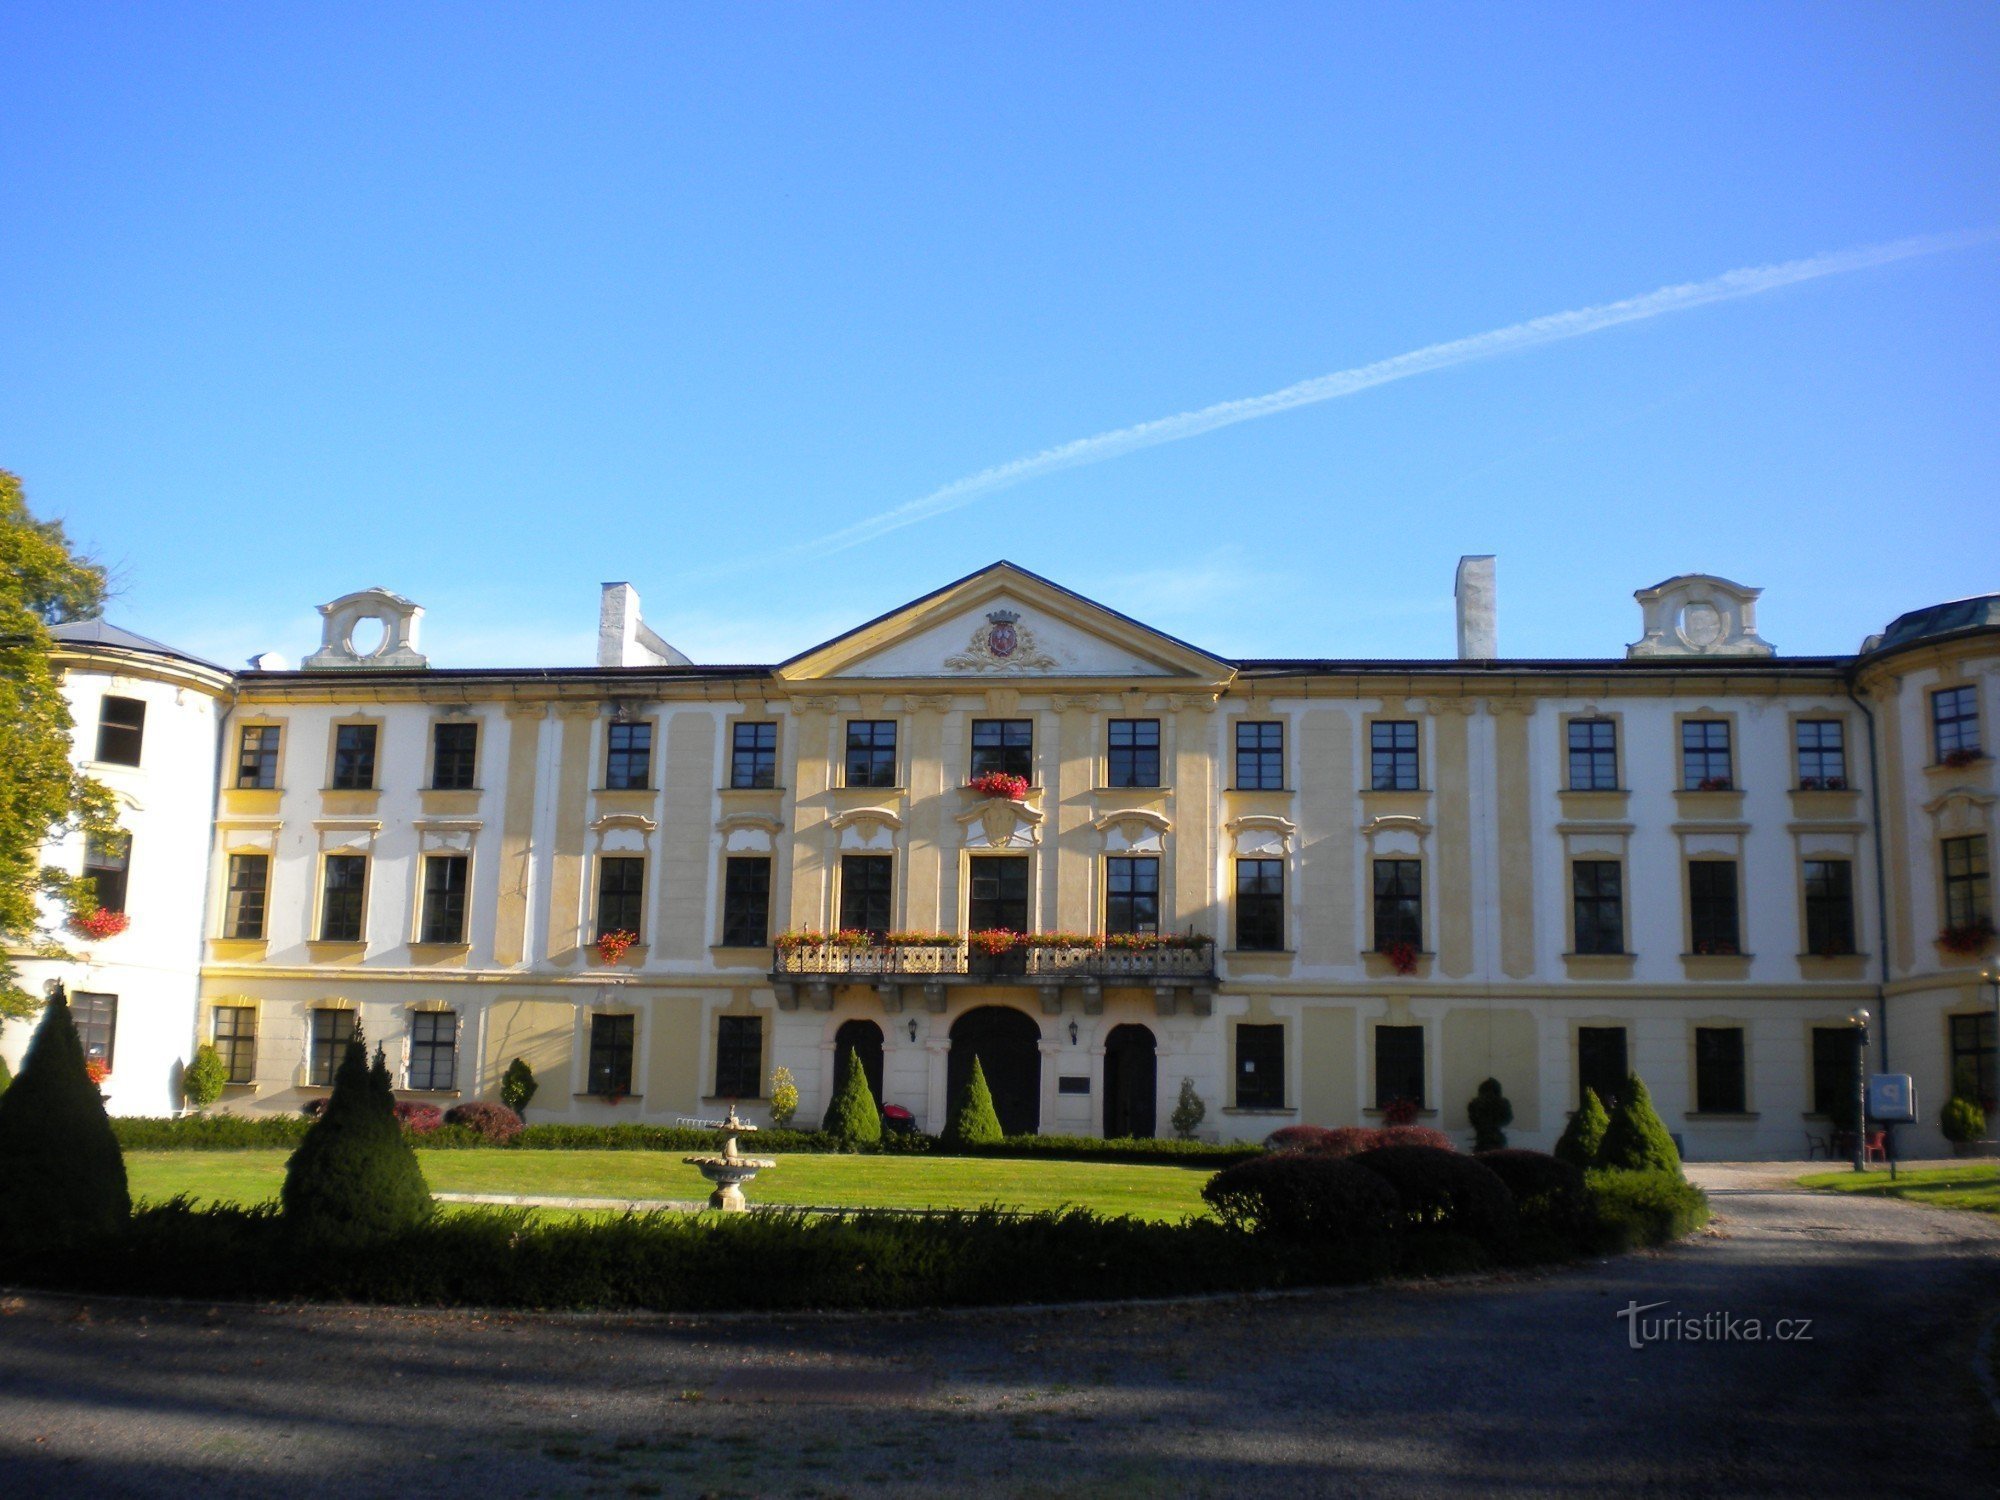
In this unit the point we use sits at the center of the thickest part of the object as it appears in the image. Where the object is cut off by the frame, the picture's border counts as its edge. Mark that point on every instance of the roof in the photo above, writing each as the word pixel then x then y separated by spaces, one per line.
pixel 1982 611
pixel 98 631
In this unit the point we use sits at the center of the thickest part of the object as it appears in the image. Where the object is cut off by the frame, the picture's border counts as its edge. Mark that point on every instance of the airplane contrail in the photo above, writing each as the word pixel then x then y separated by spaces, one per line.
pixel 1749 281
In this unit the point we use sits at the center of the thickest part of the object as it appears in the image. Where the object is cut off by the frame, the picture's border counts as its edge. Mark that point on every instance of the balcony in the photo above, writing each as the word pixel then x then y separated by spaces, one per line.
pixel 1172 968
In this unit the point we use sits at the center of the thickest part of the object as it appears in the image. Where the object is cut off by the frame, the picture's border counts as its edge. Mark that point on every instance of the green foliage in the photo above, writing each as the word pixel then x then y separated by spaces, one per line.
pixel 851 1116
pixel 1189 1112
pixel 1551 1199
pixel 517 1086
pixel 1635 1209
pixel 205 1078
pixel 784 1097
pixel 973 1121
pixel 1321 1198
pixel 1636 1140
pixel 1490 1114
pixel 42 795
pixel 62 1176
pixel 6 1075
pixel 210 1132
pixel 354 1178
pixel 1962 1120
pixel 1584 1135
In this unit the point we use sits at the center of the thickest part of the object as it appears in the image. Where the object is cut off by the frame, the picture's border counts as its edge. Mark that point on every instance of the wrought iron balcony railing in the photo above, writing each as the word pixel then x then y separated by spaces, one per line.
pixel 1029 961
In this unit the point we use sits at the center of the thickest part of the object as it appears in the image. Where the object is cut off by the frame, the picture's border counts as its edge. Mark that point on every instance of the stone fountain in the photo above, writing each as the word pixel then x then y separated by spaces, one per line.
pixel 728 1171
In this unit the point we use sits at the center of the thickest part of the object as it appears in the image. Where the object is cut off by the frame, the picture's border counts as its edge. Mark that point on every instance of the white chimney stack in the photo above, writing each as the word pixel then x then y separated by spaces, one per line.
pixel 1478 609
pixel 622 637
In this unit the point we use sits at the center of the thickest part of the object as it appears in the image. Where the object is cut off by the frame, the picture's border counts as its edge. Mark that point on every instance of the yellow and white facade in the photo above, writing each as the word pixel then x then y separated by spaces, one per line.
pixel 1415 874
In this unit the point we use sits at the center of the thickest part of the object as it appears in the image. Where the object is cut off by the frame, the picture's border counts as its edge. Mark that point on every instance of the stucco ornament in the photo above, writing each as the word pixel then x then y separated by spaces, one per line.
pixel 1698 614
pixel 1000 823
pixel 1002 644
pixel 340 620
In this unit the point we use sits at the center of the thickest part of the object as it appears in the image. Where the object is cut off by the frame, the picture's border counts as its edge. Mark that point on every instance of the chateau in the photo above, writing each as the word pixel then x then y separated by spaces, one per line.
pixel 1313 887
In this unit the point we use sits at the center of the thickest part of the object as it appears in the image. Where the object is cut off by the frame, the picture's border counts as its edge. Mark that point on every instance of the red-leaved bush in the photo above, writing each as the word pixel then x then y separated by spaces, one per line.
pixel 1415 1135
pixel 418 1118
pixel 495 1123
pixel 1442 1191
pixel 1320 1140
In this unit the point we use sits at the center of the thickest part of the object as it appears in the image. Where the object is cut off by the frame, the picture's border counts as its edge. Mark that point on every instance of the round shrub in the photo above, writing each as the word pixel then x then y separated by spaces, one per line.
pixel 1444 1192
pixel 495 1124
pixel 418 1118
pixel 206 1077
pixel 517 1086
pixel 1549 1195
pixel 1414 1135
pixel 1301 1196
pixel 1962 1120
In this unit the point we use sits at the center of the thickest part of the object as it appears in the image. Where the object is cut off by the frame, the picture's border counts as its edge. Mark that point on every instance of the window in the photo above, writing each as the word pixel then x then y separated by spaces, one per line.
pixel 1260 905
pixel 867 892
pixel 1712 906
pixel 999 893
pixel 354 757
pixel 236 1041
pixel 1718 1070
pixel 1967 897
pixel 343 899
pixel 1260 1067
pixel 1132 752
pixel 1392 755
pixel 454 752
pixel 739 1057
pixel 1399 903
pixel 1132 894
pixel 1705 763
pixel 434 1049
pixel 1954 726
pixel 1833 1071
pixel 121 727
pixel 753 759
pixel 1260 756
pixel 1593 755
pixel 1821 748
pixel 1006 745
pixel 746 901
pixel 107 863
pixel 1972 1059
pixel 1597 886
pixel 96 1018
pixel 1399 1065
pixel 257 756
pixel 610 1056
pixel 871 752
pixel 444 898
pixel 621 893
pixel 332 1030
pixel 249 883
pixel 628 756
pixel 1600 1063
pixel 1829 907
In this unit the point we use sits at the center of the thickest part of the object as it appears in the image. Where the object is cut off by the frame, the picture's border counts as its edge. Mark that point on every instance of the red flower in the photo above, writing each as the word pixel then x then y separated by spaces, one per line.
pixel 1000 784
pixel 611 946
pixel 1402 957
pixel 97 1069
pixel 100 924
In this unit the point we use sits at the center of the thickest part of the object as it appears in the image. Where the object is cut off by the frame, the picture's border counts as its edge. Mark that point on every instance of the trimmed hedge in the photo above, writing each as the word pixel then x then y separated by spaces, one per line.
pixel 1635 1209
pixel 209 1132
pixel 1551 1199
pixel 1299 1195
pixel 1443 1192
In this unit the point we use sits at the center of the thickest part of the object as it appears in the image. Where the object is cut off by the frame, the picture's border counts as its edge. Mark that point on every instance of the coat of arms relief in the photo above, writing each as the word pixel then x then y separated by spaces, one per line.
pixel 1002 644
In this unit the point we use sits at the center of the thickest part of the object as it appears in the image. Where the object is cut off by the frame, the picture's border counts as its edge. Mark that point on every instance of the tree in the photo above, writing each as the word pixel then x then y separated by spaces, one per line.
pixel 1490 1113
pixel 1189 1112
pixel 205 1077
pixel 354 1177
pixel 784 1097
pixel 42 794
pixel 1636 1140
pixel 1578 1145
pixel 62 1176
pixel 517 1086
pixel 974 1121
pixel 851 1117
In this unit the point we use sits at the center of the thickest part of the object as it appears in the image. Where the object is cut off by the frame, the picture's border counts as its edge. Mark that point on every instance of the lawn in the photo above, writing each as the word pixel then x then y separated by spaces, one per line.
pixel 1974 1186
pixel 1149 1192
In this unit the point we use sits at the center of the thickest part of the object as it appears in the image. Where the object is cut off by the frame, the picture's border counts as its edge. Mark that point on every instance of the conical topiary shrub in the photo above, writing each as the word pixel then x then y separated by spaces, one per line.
pixel 1581 1138
pixel 973 1120
pixel 1636 1140
pixel 354 1178
pixel 852 1118
pixel 62 1176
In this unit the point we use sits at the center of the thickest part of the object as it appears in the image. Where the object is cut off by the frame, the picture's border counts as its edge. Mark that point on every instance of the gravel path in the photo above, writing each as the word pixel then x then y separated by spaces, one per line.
pixel 1523 1386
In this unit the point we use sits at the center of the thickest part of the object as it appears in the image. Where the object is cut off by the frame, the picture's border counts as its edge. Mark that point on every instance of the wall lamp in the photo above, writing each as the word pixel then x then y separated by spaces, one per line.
pixel 913 1029
pixel 1072 1033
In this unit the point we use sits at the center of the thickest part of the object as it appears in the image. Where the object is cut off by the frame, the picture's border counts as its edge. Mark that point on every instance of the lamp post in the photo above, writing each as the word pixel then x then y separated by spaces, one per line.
pixel 1859 1021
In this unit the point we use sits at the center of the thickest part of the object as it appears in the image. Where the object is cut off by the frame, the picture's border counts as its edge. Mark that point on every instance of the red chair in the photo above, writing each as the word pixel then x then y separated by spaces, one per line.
pixel 1876 1148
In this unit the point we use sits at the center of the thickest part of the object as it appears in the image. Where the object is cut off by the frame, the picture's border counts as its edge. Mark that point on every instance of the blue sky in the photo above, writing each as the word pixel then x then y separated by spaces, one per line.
pixel 489 304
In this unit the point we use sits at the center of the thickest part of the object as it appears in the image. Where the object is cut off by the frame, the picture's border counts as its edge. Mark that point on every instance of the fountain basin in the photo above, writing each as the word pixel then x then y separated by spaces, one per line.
pixel 728 1173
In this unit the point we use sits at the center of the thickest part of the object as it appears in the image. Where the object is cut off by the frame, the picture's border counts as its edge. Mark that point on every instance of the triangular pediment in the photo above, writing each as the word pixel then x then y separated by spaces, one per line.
pixel 1002 623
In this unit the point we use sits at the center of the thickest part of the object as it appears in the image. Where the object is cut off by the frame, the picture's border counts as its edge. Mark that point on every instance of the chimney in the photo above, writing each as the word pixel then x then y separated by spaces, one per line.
pixel 1478 609
pixel 622 637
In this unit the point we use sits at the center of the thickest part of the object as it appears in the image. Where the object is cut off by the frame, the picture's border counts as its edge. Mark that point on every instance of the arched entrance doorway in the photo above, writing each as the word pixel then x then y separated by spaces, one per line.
pixel 1008 1045
pixel 864 1037
pixel 1131 1082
